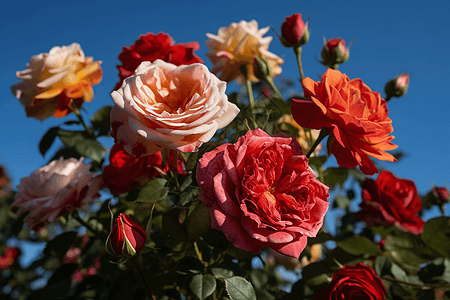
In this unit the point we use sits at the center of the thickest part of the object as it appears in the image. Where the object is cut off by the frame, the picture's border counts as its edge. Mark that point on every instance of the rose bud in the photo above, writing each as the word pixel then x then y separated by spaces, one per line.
pixel 294 32
pixel 441 193
pixel 261 68
pixel 334 53
pixel 397 87
pixel 127 238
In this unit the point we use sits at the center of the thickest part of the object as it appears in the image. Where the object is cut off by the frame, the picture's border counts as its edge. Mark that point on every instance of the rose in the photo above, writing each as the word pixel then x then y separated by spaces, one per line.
pixel 441 193
pixel 356 117
pixel 52 80
pixel 126 238
pixel 294 31
pixel 354 282
pixel 261 192
pixel 125 172
pixel 57 188
pixel 334 52
pixel 397 87
pixel 9 259
pixel 151 47
pixel 163 105
pixel 391 200
pixel 234 48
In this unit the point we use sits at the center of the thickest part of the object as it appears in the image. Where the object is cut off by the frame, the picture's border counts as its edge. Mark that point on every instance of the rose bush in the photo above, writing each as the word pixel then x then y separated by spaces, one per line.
pixel 59 187
pixel 356 117
pixel 354 282
pixel 235 46
pixel 125 172
pixel 150 47
pixel 261 192
pixel 163 105
pixel 52 80
pixel 391 200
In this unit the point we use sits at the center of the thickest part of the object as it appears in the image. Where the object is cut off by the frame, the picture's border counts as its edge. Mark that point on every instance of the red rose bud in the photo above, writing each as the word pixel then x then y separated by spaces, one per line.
pixel 127 238
pixel 294 32
pixel 9 259
pixel 397 87
pixel 441 193
pixel 261 68
pixel 334 53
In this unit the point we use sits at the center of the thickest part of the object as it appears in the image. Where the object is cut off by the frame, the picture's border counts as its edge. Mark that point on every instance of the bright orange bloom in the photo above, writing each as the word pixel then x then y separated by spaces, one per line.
pixel 356 117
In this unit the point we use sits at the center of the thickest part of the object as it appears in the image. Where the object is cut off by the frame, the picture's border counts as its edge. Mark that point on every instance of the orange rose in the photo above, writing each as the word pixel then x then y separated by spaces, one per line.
pixel 356 117
pixel 52 79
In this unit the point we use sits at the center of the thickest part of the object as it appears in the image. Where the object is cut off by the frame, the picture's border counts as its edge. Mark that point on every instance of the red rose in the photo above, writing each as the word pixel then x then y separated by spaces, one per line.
pixel 151 47
pixel 261 192
pixel 391 200
pixel 356 117
pixel 354 282
pixel 9 259
pixel 294 31
pixel 127 238
pixel 125 172
pixel 441 193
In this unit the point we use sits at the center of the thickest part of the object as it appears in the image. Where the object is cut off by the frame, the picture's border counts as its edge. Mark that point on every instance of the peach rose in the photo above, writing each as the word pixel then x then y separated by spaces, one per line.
pixel 163 105
pixel 356 117
pixel 51 191
pixel 52 79
pixel 236 46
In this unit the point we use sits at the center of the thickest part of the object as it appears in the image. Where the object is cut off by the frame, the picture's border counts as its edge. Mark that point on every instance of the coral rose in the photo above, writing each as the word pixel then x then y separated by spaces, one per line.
pixel 356 117
pixel 163 105
pixel 354 282
pixel 151 47
pixel 261 192
pixel 51 80
pixel 391 200
pixel 125 172
pixel 235 47
pixel 51 191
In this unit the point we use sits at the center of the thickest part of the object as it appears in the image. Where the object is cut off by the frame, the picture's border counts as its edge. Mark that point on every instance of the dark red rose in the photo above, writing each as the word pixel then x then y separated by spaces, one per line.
pixel 294 31
pixel 261 192
pixel 9 259
pixel 354 283
pixel 127 238
pixel 125 172
pixel 151 47
pixel 391 201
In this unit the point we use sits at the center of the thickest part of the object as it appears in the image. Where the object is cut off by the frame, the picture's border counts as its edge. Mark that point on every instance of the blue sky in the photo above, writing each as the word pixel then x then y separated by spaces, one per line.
pixel 391 37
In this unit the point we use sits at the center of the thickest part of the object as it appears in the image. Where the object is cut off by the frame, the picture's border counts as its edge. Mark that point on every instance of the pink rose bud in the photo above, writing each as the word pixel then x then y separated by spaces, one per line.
pixel 294 32
pixel 127 238
pixel 441 193
pixel 334 53
pixel 397 87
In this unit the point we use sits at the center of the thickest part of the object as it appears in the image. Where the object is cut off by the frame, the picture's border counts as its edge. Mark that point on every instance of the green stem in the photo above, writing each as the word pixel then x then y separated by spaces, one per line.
pixel 76 111
pixel 77 217
pixel 323 133
pixel 251 100
pixel 388 97
pixel 269 80
pixel 298 56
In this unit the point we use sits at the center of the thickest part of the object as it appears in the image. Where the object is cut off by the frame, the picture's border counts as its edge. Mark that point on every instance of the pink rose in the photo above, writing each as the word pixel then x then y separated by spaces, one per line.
pixel 51 191
pixel 261 192
pixel 163 105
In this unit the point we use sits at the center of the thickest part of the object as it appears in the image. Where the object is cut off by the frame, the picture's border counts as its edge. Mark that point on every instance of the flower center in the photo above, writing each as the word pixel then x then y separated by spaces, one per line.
pixel 269 195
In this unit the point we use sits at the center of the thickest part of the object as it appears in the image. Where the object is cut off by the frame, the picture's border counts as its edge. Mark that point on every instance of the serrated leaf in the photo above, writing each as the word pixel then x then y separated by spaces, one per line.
pixel 239 289
pixel 153 191
pixel 48 139
pixel 203 285
pixel 91 149
pixel 359 245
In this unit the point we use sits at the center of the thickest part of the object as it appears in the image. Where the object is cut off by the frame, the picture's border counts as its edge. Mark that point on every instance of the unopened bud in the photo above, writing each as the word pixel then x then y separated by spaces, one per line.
pixel 334 53
pixel 261 68
pixel 294 32
pixel 126 238
pixel 398 86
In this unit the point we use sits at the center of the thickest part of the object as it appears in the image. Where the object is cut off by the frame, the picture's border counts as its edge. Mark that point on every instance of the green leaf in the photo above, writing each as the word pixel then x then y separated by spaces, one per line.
pixel 100 120
pixel 203 285
pixel 382 265
pixel 239 289
pixel 359 245
pixel 70 138
pixel 222 273
pixel 335 176
pixel 91 149
pixel 153 191
pixel 198 222
pixel 436 234
pixel 47 140
pixel 189 265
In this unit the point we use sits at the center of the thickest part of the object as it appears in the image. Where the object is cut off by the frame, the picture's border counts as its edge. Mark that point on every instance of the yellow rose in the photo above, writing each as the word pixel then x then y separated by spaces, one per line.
pixel 52 79
pixel 236 46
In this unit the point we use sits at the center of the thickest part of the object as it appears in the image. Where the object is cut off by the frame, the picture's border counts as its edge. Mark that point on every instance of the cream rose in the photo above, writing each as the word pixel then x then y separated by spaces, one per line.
pixel 52 79
pixel 163 105
pixel 236 46
pixel 53 190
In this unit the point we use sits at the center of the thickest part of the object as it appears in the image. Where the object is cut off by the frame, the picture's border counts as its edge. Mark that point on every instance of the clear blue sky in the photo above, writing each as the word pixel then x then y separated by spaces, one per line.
pixel 391 37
